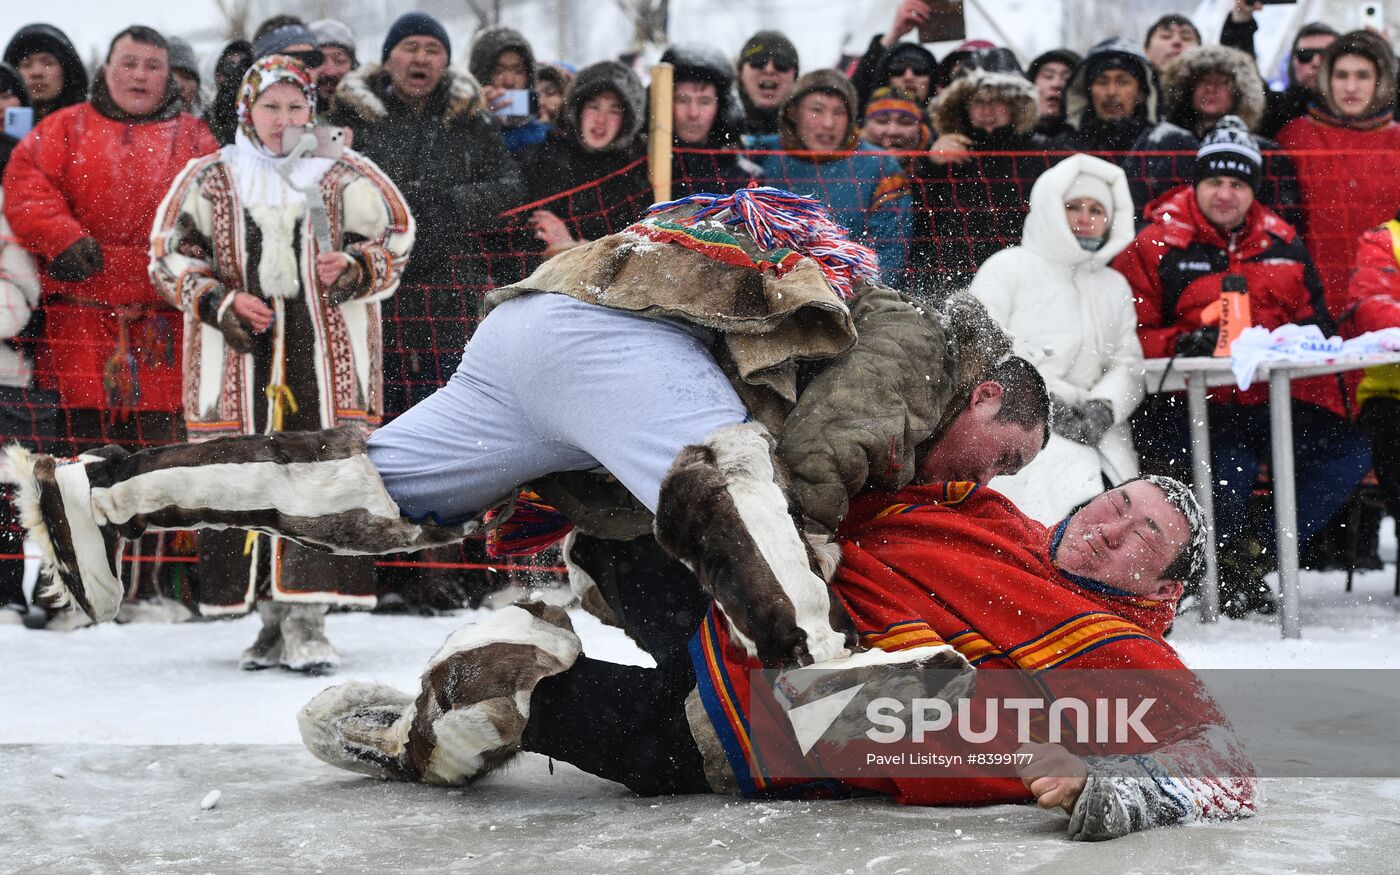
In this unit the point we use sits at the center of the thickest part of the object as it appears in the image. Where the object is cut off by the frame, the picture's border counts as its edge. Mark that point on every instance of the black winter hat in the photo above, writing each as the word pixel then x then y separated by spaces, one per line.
pixel 1098 63
pixel 1229 150
pixel 13 83
pixel 46 38
pixel 415 24
pixel 1054 56
pixel 769 44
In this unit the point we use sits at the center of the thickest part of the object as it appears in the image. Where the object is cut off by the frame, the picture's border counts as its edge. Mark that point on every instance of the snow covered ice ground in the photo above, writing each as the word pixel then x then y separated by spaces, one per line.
pixel 110 737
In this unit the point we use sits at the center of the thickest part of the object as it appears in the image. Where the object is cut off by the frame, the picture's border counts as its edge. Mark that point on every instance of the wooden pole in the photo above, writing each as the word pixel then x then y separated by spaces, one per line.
pixel 659 135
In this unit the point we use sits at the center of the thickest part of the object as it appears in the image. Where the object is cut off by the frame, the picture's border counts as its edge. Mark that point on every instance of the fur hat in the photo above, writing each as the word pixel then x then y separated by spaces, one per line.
pixel 1375 49
pixel 1180 77
pixel 1229 150
pixel 949 108
pixel 415 24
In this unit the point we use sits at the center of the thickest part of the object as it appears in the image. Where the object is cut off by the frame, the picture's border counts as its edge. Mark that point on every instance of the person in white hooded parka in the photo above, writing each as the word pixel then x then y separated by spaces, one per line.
pixel 1072 316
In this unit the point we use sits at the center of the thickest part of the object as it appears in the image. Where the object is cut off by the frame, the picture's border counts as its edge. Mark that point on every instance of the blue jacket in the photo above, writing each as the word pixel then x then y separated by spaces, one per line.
pixel 518 137
pixel 867 191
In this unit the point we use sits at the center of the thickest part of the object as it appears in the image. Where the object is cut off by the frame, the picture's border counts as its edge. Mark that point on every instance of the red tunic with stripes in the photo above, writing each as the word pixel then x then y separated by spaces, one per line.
pixel 957 563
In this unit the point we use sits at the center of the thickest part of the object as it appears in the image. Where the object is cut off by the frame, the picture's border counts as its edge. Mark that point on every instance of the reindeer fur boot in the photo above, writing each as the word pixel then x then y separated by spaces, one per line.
pixel 471 708
pixel 318 488
pixel 727 513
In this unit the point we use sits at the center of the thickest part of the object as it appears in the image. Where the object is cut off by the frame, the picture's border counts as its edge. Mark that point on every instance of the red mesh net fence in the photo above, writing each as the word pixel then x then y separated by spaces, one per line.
pixel 942 219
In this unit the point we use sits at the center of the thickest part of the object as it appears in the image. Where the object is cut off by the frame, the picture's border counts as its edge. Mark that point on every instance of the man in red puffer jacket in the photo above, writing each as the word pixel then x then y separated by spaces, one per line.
pixel 82 192
pixel 1177 267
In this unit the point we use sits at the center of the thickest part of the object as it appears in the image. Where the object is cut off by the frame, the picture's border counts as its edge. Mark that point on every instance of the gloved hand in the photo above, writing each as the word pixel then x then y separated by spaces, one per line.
pixel 1083 423
pixel 78 262
pixel 1200 342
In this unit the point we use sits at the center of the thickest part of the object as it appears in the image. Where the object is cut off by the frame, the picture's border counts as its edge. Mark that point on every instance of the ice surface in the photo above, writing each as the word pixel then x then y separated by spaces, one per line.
pixel 142 720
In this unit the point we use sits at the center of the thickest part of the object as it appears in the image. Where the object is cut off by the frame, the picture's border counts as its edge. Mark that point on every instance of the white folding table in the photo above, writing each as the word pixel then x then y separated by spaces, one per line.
pixel 1195 375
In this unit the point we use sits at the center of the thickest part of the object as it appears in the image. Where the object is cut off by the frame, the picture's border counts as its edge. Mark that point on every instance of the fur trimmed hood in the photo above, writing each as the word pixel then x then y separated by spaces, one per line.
pixel 363 92
pixel 1181 75
pixel 589 83
pixel 826 81
pixel 949 109
pixel 487 47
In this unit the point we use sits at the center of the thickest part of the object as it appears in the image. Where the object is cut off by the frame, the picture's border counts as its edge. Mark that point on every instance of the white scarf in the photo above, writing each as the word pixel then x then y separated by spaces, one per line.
pixel 274 206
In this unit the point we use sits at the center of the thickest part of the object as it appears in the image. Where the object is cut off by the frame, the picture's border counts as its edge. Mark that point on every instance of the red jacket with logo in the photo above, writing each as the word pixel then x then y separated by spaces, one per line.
pixel 113 342
pixel 1177 265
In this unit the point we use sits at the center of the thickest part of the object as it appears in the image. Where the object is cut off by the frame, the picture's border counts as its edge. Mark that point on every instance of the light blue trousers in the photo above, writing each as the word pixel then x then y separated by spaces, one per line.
pixel 549 383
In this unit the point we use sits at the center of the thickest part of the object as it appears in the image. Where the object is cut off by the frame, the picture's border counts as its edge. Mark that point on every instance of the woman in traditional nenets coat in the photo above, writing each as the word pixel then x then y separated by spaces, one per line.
pixel 282 329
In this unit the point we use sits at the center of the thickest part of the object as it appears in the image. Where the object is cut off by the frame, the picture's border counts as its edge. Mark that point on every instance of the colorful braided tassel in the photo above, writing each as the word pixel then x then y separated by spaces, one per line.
pixel 780 219
pixel 532 527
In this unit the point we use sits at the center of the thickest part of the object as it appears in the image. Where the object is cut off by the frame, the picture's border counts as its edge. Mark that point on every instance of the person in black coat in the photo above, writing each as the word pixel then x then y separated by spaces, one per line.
pixel 598 139
pixel 1113 104
pixel 968 206
pixel 1049 72
pixel 706 117
pixel 426 126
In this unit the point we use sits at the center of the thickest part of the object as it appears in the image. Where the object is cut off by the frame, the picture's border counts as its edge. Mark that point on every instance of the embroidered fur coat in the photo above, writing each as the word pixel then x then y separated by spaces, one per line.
pixel 207 245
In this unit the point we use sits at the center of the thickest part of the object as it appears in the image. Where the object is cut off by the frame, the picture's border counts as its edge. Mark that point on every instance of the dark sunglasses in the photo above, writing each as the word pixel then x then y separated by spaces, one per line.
pixel 1307 56
pixel 782 65
pixel 916 68
pixel 312 58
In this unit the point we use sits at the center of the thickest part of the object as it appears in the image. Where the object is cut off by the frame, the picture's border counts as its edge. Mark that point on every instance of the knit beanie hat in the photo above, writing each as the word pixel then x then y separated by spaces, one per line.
pixel 276 41
pixel 329 32
pixel 415 24
pixel 1101 62
pixel 1229 150
pixel 1086 186
pixel 887 99
pixel 182 56
pixel 769 44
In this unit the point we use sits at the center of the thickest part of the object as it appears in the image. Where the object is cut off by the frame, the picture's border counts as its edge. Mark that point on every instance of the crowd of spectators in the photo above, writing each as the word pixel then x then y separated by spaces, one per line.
pixel 141 262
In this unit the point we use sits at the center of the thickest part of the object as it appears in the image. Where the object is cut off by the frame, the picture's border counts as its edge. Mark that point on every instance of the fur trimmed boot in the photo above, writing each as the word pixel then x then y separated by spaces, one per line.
pixel 304 644
pixel 726 511
pixel 266 649
pixel 317 488
pixel 471 709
